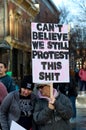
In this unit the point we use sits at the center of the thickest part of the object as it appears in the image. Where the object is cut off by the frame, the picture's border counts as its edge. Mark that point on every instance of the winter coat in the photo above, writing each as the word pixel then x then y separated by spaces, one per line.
pixel 8 82
pixel 82 74
pixel 3 92
pixel 10 109
pixel 58 119
pixel 72 88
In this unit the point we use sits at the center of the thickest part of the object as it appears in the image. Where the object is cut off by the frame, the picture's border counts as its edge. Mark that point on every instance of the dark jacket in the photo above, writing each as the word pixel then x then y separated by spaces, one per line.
pixel 72 88
pixel 58 119
pixel 10 109
pixel 8 82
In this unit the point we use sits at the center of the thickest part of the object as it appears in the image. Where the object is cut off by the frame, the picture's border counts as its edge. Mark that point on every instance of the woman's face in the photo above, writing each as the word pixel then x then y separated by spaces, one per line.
pixel 45 90
pixel 25 92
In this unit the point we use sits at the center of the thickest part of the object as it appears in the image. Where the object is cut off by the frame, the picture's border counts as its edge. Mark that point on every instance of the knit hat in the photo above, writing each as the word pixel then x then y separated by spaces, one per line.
pixel 27 82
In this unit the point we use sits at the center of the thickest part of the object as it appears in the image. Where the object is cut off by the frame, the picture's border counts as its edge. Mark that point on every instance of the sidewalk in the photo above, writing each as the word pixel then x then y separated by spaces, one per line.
pixel 80 120
pixel 81 100
pixel 81 113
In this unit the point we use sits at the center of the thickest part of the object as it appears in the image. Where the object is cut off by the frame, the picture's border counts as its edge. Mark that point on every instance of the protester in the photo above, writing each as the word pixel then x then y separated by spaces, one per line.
pixel 18 106
pixel 63 88
pixel 71 91
pixel 52 113
pixel 72 94
pixel 6 79
pixel 82 75
pixel 3 92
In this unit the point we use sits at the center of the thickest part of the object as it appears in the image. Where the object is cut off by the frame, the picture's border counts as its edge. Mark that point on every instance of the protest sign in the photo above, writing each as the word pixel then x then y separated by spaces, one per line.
pixel 50 52
pixel 16 126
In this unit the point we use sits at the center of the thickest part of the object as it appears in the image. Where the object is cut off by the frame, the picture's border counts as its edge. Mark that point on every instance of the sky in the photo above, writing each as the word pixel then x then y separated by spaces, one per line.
pixel 69 4
pixel 75 13
pixel 57 2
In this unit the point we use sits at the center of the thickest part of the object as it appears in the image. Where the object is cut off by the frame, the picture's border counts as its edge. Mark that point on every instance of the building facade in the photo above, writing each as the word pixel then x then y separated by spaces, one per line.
pixel 15 36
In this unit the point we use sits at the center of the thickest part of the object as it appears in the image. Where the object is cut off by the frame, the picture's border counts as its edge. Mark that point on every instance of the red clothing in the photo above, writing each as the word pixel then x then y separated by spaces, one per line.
pixel 82 74
pixel 3 92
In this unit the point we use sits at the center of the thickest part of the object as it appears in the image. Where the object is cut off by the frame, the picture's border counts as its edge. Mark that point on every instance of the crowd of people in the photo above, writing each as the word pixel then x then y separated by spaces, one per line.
pixel 33 111
pixel 33 107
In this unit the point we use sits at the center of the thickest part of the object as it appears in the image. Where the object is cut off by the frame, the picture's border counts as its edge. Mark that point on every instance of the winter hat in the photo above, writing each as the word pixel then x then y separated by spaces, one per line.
pixel 27 82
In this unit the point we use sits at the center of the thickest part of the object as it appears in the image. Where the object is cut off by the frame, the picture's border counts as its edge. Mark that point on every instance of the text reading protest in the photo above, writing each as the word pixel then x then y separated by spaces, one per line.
pixel 50 52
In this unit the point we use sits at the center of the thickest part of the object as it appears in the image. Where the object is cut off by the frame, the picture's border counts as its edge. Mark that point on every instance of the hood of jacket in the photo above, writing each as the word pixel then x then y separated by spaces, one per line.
pixel 55 94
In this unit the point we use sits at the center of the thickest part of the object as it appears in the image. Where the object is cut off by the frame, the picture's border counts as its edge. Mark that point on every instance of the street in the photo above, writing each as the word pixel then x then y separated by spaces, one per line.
pixel 81 113
pixel 80 120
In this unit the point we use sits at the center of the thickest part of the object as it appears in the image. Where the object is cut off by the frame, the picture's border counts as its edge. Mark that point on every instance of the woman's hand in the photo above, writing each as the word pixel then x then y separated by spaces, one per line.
pixel 52 100
pixel 51 103
pixel 51 106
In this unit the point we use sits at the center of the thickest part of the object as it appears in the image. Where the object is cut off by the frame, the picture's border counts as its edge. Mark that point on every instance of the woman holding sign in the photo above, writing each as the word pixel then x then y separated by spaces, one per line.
pixel 52 112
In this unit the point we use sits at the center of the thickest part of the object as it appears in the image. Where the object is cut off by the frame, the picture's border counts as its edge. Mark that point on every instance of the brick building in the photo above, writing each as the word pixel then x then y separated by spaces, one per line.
pixel 15 36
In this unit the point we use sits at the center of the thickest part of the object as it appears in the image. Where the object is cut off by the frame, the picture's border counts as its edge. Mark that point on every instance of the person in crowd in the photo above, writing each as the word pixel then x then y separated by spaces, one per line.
pixel 18 106
pixel 72 94
pixel 6 79
pixel 63 88
pixel 52 113
pixel 82 75
pixel 3 92
pixel 77 78
pixel 71 91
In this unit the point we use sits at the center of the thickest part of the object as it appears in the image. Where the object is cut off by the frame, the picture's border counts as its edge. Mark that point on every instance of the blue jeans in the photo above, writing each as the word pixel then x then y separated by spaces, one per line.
pixel 73 101
pixel 82 85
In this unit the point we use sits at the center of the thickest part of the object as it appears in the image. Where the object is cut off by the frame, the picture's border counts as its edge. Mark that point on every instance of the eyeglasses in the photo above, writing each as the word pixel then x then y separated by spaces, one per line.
pixel 40 87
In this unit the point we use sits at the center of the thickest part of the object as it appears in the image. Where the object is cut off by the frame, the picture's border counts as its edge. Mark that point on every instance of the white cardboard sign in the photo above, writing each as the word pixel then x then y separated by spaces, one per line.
pixel 16 126
pixel 50 52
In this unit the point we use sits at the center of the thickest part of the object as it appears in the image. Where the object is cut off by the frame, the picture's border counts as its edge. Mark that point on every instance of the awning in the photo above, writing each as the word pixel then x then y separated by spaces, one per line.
pixel 4 45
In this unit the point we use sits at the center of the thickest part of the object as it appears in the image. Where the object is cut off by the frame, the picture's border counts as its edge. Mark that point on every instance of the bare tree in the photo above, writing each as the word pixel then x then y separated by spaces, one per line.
pixel 73 11
pixel 63 14
pixel 81 4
